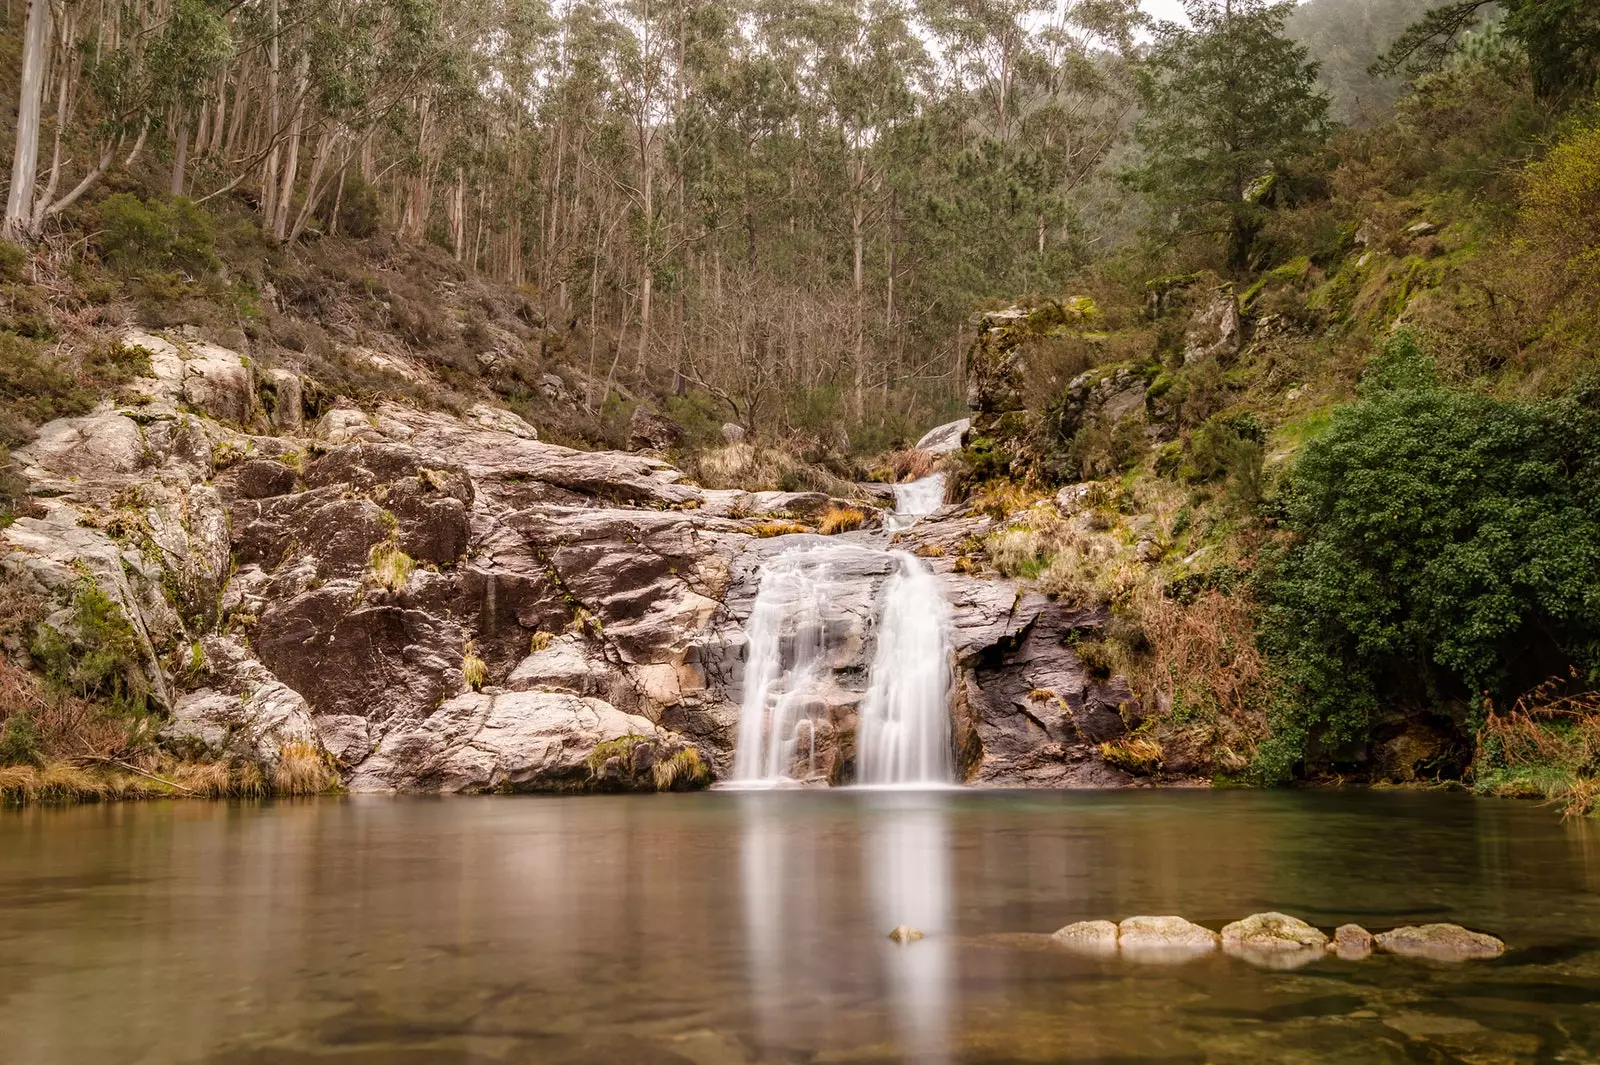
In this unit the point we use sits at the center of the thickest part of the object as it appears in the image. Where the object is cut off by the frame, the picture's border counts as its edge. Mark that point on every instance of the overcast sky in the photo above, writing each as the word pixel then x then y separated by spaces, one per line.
pixel 1163 9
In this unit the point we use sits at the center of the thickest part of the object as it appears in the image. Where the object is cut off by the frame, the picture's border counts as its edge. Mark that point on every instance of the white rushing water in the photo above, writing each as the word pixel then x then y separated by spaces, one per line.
pixel 787 632
pixel 903 736
pixel 915 499
pixel 801 616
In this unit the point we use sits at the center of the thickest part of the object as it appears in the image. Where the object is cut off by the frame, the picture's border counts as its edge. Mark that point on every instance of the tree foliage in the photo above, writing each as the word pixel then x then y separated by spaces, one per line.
pixel 1440 546
pixel 1228 102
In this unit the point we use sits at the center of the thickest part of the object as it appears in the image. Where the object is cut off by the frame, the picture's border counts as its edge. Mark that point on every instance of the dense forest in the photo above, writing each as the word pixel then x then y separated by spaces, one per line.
pixel 1344 257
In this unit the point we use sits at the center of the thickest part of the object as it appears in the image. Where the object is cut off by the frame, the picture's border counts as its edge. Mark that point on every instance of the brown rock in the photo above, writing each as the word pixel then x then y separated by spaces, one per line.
pixel 1088 937
pixel 1442 942
pixel 1351 942
pixel 650 431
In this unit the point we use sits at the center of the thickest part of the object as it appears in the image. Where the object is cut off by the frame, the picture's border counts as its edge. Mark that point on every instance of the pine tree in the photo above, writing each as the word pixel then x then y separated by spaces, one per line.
pixel 1227 103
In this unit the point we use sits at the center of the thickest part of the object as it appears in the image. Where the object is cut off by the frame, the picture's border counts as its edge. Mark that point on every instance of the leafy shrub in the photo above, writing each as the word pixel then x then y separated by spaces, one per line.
pixel 97 656
pixel 34 389
pixel 1440 546
pixel 1231 448
pixel 142 235
pixel 1561 204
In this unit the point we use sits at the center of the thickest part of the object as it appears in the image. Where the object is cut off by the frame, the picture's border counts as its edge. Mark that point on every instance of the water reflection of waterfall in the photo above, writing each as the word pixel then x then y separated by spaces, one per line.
pixel 906 854
pixel 797 621
pixel 802 892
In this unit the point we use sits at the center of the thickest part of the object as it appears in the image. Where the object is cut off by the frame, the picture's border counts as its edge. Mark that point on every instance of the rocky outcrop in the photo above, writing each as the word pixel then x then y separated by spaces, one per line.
pixel 1215 330
pixel 943 439
pixel 445 602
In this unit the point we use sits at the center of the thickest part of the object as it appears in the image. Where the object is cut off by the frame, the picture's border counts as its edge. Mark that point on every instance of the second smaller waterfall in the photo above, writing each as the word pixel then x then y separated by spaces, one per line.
pixel 904 732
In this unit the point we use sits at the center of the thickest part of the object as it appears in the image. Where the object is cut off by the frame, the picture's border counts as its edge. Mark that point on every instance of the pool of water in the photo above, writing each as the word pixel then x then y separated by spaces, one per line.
pixel 730 929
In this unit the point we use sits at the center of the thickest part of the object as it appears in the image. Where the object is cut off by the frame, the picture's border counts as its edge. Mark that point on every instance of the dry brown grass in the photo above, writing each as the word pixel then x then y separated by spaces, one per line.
pixel 1547 744
pixel 302 770
pixel 208 780
pixel 912 464
pixel 474 670
pixel 1204 674
pixel 767 529
pixel 840 519
pixel 391 567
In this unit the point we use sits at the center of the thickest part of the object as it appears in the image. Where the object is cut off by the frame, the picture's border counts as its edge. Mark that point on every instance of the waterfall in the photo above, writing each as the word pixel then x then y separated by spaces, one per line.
pixel 915 499
pixel 787 659
pixel 903 736
pixel 801 615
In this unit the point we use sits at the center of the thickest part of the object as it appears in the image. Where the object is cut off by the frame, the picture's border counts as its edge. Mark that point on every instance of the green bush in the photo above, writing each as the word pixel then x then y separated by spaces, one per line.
pixel 97 656
pixel 1441 547
pixel 34 390
pixel 140 235
pixel 20 741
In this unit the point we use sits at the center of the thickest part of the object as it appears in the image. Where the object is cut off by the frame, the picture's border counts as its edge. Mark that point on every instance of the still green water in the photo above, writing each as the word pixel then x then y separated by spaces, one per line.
pixel 730 929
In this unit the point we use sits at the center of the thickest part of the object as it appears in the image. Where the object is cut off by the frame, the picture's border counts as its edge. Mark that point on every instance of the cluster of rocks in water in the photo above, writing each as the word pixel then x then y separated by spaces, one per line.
pixel 1274 940
pixel 443 602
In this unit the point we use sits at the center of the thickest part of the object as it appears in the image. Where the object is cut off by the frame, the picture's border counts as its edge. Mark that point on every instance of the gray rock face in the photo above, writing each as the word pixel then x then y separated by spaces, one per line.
pixel 355 566
pixel 1441 942
pixel 511 741
pixel 945 438
pixel 1215 331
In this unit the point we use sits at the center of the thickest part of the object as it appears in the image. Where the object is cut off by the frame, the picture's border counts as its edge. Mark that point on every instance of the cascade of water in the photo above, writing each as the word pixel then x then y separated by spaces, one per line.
pixel 903 736
pixel 914 499
pixel 787 633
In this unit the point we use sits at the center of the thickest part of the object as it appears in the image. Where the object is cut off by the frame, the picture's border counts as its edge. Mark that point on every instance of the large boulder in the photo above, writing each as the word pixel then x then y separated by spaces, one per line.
pixel 1273 932
pixel 1164 938
pixel 217 384
pixel 945 438
pixel 650 431
pixel 1088 937
pixel 519 741
pixel 1441 942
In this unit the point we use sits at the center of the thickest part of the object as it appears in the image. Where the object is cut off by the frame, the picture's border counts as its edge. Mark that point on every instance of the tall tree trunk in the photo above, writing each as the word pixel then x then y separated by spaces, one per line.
pixel 25 160
pixel 285 200
pixel 180 152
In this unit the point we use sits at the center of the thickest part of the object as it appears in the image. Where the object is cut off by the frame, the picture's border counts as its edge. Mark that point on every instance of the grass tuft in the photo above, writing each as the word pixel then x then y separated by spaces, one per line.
pixel 840 519
pixel 684 771
pixel 391 566
pixel 1138 755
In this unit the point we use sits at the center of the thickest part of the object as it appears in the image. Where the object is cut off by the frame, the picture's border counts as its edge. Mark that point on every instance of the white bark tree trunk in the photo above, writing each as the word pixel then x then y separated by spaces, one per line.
pixel 25 162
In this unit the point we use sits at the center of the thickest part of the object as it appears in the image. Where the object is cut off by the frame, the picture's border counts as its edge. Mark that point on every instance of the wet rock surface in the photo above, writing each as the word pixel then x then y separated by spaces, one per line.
pixel 337 571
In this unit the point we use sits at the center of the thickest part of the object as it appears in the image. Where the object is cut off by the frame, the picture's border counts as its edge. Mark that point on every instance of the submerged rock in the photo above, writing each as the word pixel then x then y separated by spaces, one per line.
pixel 1351 942
pixel 904 934
pixel 1164 938
pixel 1088 937
pixel 1442 942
